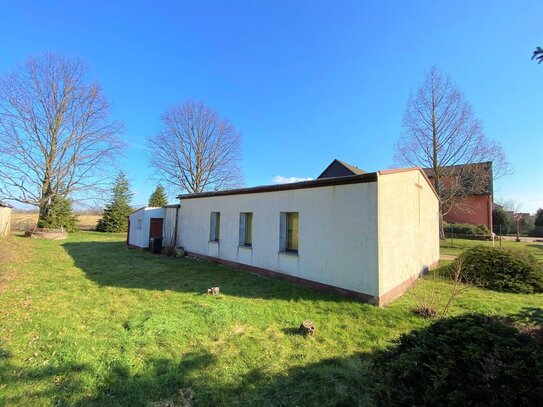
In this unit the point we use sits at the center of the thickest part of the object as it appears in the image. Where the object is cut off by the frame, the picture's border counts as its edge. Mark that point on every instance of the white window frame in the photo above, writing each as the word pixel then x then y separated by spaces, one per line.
pixel 283 233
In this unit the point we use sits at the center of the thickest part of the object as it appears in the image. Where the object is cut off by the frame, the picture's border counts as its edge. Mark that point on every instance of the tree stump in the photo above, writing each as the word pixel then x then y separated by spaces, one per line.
pixel 213 290
pixel 307 328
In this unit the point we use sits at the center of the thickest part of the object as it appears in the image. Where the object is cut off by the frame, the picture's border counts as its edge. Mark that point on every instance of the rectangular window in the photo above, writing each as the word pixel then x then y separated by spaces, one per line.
pixel 215 226
pixel 288 239
pixel 292 231
pixel 139 224
pixel 246 229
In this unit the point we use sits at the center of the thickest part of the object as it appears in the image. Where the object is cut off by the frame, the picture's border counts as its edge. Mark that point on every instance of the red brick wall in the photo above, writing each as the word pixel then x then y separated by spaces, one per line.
pixel 476 210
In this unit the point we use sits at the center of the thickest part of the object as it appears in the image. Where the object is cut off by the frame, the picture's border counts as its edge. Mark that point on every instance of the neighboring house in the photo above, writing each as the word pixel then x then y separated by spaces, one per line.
pixel 474 208
pixel 474 205
pixel 145 223
pixel 5 218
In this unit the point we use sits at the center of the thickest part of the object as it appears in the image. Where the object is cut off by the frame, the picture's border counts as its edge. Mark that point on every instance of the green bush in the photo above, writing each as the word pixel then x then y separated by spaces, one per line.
pixel 501 269
pixel 59 215
pixel 461 361
pixel 537 231
pixel 466 231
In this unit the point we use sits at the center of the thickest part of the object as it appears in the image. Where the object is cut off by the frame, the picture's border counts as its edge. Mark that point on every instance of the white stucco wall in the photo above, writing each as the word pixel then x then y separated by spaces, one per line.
pixel 337 233
pixel 140 236
pixel 408 227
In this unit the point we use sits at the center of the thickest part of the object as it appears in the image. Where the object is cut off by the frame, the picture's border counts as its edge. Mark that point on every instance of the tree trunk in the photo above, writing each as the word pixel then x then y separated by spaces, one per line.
pixel 44 212
pixel 441 228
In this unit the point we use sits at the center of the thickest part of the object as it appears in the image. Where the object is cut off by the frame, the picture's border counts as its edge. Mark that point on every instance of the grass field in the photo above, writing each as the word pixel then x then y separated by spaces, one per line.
pixel 21 221
pixel 87 321
pixel 459 245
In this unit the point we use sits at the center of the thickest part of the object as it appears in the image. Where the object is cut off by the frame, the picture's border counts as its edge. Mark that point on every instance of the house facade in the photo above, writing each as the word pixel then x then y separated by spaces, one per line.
pixel 348 234
pixel 475 197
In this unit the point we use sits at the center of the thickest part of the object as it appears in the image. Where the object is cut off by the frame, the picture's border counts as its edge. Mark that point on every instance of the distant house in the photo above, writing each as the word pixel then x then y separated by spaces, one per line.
pixel 475 204
pixel 340 169
pixel 5 218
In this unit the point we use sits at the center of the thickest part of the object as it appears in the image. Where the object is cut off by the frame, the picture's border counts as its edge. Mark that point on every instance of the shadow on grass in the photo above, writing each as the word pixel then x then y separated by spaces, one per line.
pixel 530 315
pixel 535 246
pixel 113 264
pixel 186 382
pixel 431 361
pixel 331 382
pixel 62 381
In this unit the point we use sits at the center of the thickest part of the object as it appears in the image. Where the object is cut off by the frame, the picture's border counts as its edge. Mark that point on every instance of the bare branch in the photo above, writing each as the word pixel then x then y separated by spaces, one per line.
pixel 440 131
pixel 56 137
pixel 196 150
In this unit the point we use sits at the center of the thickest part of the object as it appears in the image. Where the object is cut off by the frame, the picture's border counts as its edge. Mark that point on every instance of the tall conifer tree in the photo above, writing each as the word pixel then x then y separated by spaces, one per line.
pixel 158 198
pixel 115 217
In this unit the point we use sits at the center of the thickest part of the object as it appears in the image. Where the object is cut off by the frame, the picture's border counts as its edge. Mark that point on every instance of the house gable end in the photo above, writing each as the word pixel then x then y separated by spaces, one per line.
pixel 340 169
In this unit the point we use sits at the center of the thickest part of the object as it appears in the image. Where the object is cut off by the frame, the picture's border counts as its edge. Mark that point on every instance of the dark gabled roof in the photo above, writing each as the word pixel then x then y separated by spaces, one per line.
pixel 467 172
pixel 340 169
pixel 353 179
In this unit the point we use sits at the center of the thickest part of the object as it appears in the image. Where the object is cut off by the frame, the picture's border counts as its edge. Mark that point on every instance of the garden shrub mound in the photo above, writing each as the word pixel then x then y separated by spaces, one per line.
pixel 466 231
pixel 501 269
pixel 461 361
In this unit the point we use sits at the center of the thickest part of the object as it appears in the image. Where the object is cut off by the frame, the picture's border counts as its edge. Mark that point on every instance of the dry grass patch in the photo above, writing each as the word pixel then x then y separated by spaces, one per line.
pixel 21 221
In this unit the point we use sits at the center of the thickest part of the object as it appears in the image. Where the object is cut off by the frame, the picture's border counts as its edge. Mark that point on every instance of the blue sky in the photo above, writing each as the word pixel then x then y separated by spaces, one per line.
pixel 304 82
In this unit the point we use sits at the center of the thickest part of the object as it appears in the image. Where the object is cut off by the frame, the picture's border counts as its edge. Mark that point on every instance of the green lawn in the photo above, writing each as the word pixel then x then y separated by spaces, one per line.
pixel 458 245
pixel 87 321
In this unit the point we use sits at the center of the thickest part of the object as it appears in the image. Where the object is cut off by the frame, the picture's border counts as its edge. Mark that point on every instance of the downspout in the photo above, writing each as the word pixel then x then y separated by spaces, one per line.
pixel 175 227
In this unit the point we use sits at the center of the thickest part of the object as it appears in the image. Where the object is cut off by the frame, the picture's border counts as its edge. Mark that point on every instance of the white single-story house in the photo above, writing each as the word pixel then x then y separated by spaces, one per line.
pixel 148 222
pixel 363 235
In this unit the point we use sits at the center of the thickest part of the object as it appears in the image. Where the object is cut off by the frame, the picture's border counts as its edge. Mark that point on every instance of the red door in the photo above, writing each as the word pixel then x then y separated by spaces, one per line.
pixel 156 227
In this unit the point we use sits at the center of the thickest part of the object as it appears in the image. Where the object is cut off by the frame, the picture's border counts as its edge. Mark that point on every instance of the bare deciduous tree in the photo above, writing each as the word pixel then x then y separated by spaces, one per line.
pixel 441 132
pixel 56 137
pixel 196 150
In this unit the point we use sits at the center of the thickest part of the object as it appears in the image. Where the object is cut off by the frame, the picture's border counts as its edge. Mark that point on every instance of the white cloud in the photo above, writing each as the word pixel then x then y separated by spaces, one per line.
pixel 279 179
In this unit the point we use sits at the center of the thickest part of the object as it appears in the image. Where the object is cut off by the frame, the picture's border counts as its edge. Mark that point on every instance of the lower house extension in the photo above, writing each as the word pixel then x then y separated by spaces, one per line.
pixel 148 222
pixel 367 236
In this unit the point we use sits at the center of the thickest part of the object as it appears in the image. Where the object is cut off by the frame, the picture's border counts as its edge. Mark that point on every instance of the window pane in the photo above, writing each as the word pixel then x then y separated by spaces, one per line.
pixel 292 231
pixel 214 226
pixel 248 228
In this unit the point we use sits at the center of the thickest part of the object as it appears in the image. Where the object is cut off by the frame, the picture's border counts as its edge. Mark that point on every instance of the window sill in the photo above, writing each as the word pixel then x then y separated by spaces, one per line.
pixel 214 241
pixel 246 246
pixel 289 253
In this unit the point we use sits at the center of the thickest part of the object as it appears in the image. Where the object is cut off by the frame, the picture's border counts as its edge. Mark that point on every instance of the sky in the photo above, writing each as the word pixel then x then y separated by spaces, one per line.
pixel 303 82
